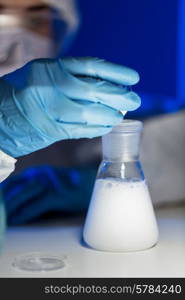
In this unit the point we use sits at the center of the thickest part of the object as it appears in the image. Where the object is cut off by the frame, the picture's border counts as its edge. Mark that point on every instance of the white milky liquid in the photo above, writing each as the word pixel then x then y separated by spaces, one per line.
pixel 120 217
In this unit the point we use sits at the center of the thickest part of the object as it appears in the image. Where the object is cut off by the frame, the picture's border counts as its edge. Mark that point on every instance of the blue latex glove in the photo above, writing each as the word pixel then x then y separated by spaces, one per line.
pixel 57 104
pixel 41 190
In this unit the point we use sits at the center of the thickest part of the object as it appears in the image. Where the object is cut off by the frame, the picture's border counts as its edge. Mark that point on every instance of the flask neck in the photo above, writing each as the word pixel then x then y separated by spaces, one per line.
pixel 122 143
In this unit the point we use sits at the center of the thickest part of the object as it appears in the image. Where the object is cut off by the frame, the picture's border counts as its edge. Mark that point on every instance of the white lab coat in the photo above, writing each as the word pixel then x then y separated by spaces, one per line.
pixel 7 165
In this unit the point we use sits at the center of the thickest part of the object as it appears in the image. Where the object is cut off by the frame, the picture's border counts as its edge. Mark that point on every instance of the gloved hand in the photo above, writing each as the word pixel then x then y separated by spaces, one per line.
pixel 60 102
pixel 41 190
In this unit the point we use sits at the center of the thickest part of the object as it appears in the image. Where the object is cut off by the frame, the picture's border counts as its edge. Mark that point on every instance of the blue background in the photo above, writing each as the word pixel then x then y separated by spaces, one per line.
pixel 146 35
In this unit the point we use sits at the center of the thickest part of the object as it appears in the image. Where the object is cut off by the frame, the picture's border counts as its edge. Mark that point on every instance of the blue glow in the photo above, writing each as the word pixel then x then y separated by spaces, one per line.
pixel 181 51
pixel 75 177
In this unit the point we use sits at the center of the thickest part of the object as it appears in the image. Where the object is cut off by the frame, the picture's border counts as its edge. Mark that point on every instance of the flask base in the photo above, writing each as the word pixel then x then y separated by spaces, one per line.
pixel 120 250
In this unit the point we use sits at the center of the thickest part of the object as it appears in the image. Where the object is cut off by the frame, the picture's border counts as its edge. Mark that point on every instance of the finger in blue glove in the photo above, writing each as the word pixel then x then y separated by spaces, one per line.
pixel 56 103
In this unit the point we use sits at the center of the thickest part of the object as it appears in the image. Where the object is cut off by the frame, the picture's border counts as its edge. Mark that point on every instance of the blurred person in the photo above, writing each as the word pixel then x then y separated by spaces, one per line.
pixel 162 145
pixel 31 29
pixel 45 99
pixel 51 105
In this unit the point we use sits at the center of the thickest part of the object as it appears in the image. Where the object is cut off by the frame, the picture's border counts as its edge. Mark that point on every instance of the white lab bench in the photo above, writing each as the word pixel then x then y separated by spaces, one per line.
pixel 63 237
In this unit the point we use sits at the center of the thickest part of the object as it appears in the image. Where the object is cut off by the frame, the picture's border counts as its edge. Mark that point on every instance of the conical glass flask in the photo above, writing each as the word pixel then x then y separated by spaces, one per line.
pixel 121 216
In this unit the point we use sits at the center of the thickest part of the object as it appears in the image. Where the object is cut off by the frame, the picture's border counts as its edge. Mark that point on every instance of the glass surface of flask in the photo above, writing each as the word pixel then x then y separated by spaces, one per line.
pixel 121 216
